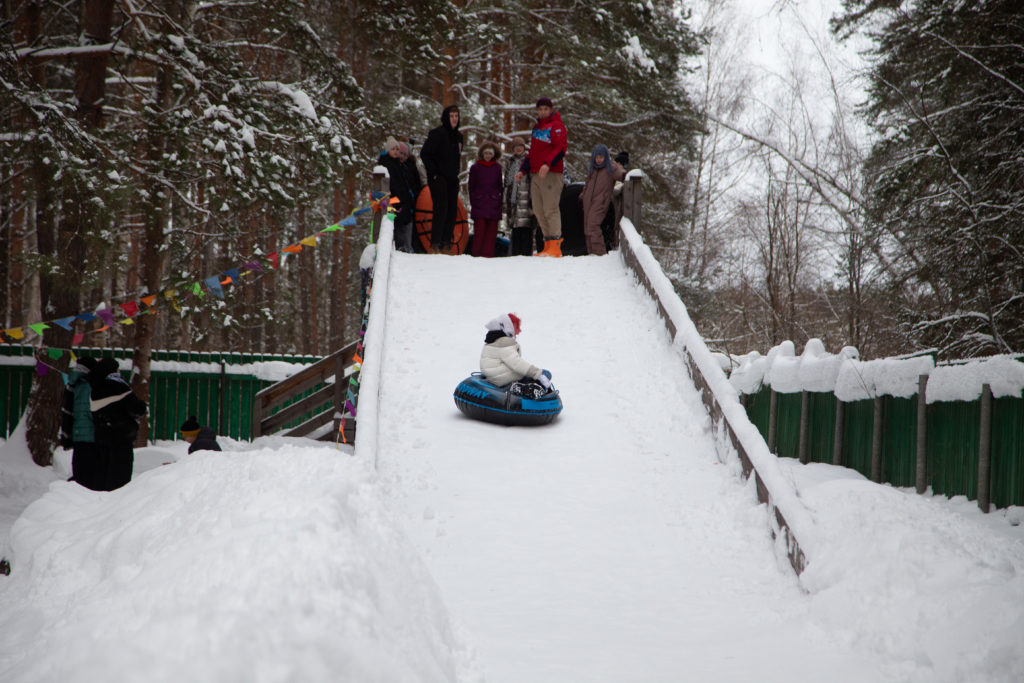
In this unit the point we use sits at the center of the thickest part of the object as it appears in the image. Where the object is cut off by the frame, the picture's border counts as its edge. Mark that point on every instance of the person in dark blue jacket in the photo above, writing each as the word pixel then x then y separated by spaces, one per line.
pixel 199 438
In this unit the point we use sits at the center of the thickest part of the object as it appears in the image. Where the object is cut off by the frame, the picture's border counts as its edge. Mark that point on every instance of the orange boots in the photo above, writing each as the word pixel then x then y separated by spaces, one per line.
pixel 552 247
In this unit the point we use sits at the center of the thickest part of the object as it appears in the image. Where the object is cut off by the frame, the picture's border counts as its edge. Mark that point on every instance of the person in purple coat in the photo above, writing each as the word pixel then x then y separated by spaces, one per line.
pixel 485 188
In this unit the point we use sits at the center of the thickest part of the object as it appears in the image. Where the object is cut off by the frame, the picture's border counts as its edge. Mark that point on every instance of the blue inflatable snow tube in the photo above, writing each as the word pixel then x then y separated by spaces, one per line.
pixel 479 399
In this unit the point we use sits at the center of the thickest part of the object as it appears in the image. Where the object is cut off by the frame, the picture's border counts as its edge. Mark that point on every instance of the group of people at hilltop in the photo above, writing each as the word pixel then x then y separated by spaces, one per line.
pixel 526 187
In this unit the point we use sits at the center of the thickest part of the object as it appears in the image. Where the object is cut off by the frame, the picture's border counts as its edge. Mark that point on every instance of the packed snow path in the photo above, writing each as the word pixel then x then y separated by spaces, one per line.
pixel 610 545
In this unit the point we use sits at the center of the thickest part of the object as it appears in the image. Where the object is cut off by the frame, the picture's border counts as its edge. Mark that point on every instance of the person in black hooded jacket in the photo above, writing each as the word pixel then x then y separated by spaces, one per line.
pixel 116 411
pixel 442 157
pixel 199 438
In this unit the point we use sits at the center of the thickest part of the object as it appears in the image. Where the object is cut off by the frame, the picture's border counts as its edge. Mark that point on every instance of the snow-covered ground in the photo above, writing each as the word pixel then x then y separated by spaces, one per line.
pixel 611 545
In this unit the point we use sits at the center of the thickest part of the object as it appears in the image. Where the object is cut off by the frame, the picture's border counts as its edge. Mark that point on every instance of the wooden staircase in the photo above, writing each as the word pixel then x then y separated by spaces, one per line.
pixel 309 393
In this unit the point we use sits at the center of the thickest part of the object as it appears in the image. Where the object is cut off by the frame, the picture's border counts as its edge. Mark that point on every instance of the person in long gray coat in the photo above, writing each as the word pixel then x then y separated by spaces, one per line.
pixel 597 195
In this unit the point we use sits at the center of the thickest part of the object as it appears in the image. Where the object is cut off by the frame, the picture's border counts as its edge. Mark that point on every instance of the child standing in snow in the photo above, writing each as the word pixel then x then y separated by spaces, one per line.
pixel 501 361
pixel 485 198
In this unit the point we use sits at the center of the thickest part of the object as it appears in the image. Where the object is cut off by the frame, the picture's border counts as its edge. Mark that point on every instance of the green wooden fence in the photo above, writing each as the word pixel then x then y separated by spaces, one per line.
pixel 215 387
pixel 952 440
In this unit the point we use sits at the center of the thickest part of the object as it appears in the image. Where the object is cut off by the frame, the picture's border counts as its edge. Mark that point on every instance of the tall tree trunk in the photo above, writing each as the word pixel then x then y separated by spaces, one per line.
pixel 157 216
pixel 59 288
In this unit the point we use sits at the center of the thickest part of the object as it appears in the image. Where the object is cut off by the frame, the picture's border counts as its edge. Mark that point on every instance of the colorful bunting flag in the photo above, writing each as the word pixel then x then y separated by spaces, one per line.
pixel 232 274
pixel 77 339
pixel 55 354
pixel 38 328
pixel 130 308
pixel 213 282
pixel 172 296
pixel 15 333
pixel 88 316
pixel 41 369
pixel 292 249
pixel 309 241
pixel 65 322
pixel 107 316
pixel 149 300
pixel 275 260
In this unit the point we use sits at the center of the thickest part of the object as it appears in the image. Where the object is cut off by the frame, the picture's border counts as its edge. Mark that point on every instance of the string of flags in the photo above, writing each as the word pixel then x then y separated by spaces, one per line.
pixel 125 313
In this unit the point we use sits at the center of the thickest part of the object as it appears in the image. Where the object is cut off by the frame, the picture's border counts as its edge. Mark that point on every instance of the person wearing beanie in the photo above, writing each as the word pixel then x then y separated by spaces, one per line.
pixel 76 429
pixel 549 143
pixel 518 215
pixel 485 199
pixel 501 360
pixel 442 156
pixel 604 172
pixel 198 437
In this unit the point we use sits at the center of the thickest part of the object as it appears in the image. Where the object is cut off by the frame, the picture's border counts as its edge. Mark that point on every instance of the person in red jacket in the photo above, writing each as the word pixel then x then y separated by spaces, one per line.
pixel 548 145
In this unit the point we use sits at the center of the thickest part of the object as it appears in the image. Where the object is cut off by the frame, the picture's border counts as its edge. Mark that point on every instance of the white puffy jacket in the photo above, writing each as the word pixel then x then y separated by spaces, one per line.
pixel 502 363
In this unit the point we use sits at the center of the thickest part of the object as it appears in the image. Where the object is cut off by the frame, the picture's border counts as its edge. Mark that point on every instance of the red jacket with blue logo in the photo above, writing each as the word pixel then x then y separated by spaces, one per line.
pixel 548 145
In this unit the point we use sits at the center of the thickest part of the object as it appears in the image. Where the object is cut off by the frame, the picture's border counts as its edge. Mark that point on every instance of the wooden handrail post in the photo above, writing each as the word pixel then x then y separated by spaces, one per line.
pixel 985 450
pixel 921 469
pixel 632 199
pixel 773 419
pixel 380 184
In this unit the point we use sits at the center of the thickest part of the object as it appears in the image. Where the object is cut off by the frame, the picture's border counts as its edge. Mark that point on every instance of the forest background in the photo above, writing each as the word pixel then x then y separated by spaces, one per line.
pixel 876 202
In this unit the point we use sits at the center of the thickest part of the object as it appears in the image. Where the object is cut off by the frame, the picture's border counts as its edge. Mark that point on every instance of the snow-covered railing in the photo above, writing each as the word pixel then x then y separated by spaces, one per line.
pixel 735 435
pixel 373 346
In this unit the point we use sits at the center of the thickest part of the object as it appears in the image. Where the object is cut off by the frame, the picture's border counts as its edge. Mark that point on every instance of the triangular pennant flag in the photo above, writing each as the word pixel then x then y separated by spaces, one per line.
pixel 41 369
pixel 102 329
pixel 65 322
pixel 77 339
pixel 332 228
pixel 127 321
pixel 171 295
pixel 232 274
pixel 15 333
pixel 148 300
pixel 309 241
pixel 394 200
pixel 213 283
pixel 377 194
pixel 55 354
pixel 227 280
pixel 275 260
pixel 360 212
pixel 86 317
pixel 38 328
pixel 107 316
pixel 357 359
pixel 350 408
pixel 130 308
pixel 351 395
pixel 253 266
pixel 292 249
pixel 197 289
pixel 349 221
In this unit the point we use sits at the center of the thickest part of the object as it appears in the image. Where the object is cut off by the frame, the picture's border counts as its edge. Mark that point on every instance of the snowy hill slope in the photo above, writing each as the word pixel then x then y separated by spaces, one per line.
pixel 611 545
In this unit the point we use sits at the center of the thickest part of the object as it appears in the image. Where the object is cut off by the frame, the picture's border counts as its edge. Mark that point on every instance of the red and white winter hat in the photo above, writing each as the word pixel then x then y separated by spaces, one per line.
pixel 509 323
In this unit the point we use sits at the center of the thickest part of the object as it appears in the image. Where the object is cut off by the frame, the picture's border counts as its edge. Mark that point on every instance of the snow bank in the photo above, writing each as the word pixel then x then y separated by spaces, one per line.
pixel 938 585
pixel 963 381
pixel 277 564
pixel 269 370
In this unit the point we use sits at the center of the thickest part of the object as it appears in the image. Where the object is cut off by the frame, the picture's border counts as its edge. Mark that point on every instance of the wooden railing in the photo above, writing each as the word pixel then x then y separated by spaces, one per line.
pixel 290 400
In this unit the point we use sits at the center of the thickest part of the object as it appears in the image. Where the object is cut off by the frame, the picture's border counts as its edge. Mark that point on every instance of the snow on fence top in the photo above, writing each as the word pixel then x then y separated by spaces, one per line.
pixel 852 379
pixel 963 381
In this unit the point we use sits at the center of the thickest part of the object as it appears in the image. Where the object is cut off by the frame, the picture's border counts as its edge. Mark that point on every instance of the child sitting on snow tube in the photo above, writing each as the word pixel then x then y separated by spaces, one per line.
pixel 501 361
